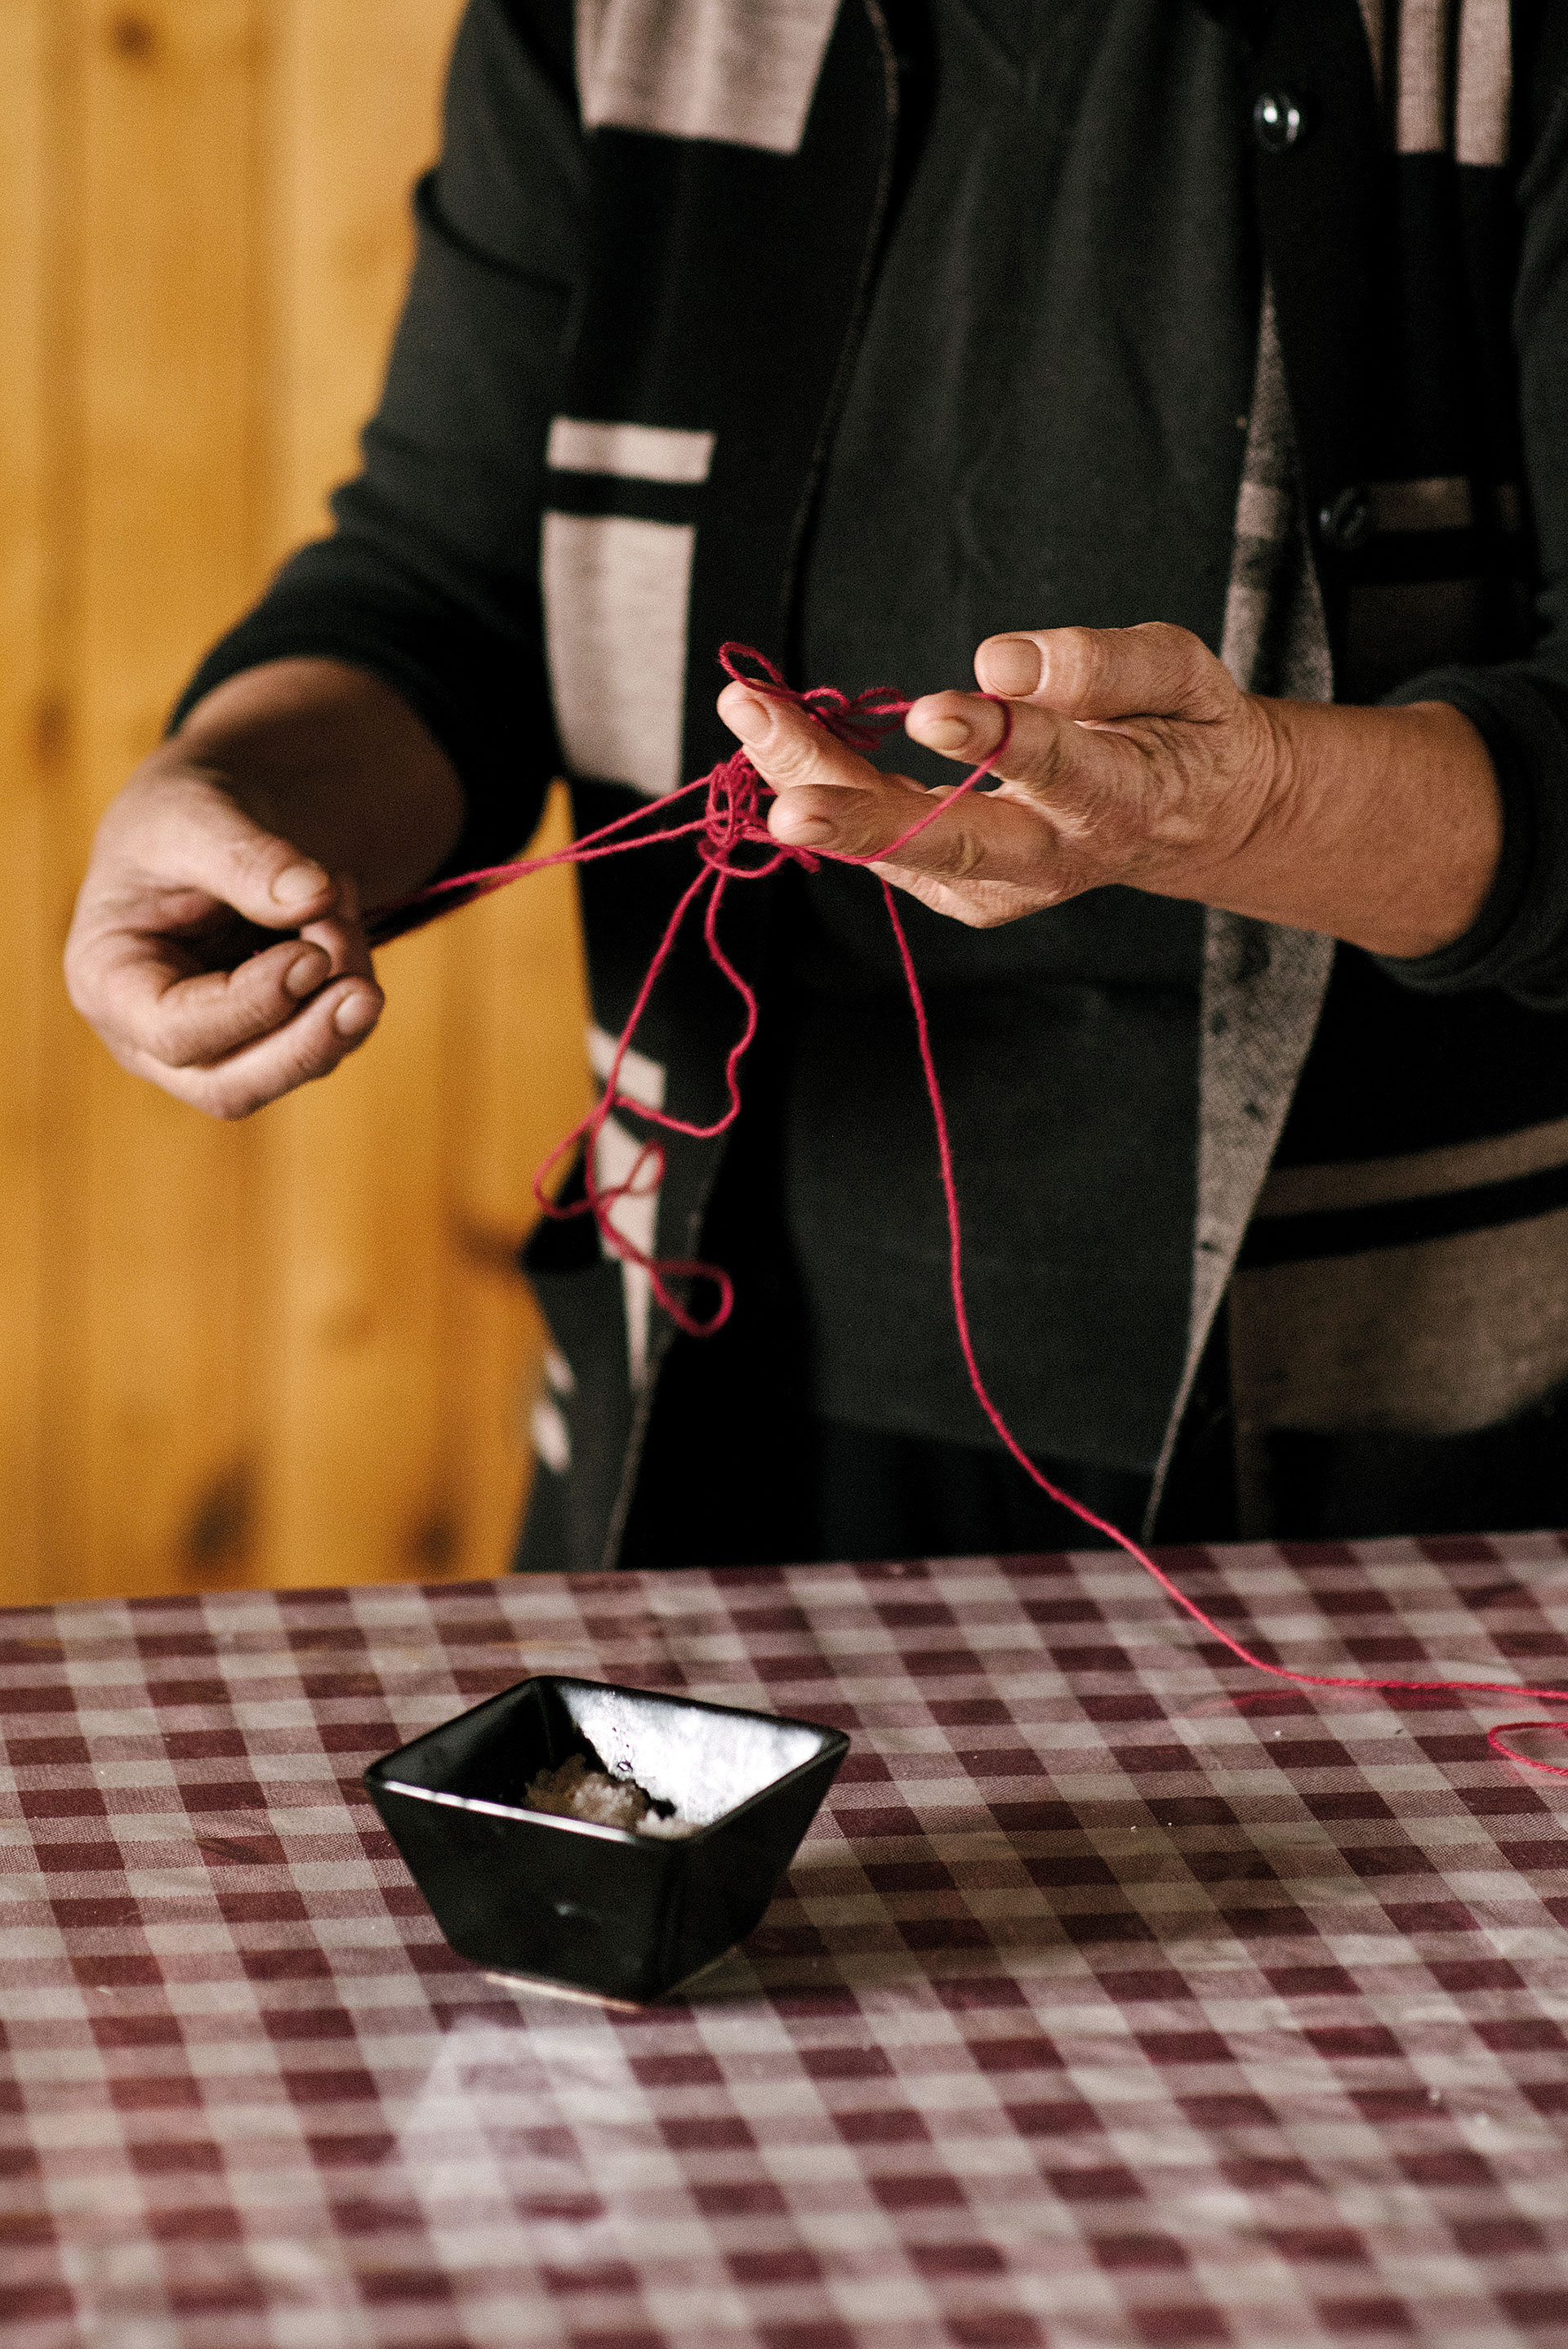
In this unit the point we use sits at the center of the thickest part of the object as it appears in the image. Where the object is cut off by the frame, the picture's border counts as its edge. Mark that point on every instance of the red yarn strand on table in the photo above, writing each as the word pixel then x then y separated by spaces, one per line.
pixel 731 822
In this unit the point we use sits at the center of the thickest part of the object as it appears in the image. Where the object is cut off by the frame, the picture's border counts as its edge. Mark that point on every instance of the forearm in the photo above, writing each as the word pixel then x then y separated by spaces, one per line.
pixel 331 758
pixel 1382 827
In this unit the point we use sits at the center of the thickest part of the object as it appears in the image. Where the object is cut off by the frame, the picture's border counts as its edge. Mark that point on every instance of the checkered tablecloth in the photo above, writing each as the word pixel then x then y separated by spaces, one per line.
pixel 1118 1996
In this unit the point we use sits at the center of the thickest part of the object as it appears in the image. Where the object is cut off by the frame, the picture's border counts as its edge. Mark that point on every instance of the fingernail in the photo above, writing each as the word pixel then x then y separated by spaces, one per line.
pixel 749 718
pixel 945 733
pixel 356 1015
pixel 1012 665
pixel 298 883
pixel 304 974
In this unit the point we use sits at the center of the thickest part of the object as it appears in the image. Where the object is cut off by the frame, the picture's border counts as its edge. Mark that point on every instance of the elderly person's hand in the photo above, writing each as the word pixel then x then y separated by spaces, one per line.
pixel 219 947
pixel 1135 758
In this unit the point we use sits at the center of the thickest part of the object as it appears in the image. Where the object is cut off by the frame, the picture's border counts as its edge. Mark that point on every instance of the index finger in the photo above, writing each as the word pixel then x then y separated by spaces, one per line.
pixel 829 796
pixel 309 1046
pixel 151 995
pixel 786 746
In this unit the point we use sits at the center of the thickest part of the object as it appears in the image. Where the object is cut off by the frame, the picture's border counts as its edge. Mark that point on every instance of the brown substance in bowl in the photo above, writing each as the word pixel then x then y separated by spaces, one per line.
pixel 577 1791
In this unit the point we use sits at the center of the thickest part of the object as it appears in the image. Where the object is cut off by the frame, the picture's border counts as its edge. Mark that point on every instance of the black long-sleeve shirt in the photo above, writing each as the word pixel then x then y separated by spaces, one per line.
pixel 1044 425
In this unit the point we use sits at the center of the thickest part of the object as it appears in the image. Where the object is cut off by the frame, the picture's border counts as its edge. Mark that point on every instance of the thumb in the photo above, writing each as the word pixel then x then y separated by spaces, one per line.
pixel 186 832
pixel 1154 670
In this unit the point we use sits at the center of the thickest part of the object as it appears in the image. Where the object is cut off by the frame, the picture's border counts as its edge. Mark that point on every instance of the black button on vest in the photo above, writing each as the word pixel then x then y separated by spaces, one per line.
pixel 1346 522
pixel 1279 120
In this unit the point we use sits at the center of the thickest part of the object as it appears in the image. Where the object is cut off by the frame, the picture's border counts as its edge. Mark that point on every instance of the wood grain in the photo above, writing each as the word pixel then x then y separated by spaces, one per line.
pixel 164 156
pixel 352 1475
pixel 32 725
pixel 294 1351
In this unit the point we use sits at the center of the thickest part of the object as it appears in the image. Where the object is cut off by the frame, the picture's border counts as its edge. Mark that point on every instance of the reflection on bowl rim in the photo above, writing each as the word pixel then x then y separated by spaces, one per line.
pixel 489 1810
pixel 520 1813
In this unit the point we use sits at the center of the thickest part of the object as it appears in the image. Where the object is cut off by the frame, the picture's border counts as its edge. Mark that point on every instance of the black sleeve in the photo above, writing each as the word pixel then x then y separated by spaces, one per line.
pixel 430 579
pixel 1519 939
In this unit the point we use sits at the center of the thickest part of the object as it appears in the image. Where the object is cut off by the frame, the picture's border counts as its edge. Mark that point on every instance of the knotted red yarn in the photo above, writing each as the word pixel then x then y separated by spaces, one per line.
pixel 734 843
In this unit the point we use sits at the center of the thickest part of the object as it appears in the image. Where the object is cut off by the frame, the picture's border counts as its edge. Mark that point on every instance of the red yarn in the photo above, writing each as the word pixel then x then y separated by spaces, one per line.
pixel 732 823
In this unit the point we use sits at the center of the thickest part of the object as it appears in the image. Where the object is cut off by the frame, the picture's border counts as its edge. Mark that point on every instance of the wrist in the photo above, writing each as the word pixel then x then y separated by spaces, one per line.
pixel 1382 827
pixel 331 758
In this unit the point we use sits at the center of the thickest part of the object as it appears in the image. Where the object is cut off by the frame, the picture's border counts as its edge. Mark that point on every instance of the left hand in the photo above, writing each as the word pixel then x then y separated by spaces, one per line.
pixel 1133 758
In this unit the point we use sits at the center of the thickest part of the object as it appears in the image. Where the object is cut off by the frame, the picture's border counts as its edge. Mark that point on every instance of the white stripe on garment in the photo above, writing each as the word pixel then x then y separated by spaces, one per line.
pixel 1485 94
pixel 641 1079
pixel 552 1436
pixel 617 592
pixel 634 1218
pixel 1421 117
pixel 1337 1188
pixel 632 452
pixel 1262 511
pixel 742 72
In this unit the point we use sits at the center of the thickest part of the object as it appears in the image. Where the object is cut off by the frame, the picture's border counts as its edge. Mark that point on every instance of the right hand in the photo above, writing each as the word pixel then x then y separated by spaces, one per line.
pixel 168 958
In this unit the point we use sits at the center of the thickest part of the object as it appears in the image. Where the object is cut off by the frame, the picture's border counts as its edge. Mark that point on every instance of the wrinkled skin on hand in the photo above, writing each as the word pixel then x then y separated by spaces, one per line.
pixel 218 946
pixel 209 954
pixel 1132 758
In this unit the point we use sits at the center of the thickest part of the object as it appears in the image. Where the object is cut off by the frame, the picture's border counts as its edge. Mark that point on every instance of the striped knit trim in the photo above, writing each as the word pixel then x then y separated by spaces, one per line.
pixel 1275 638
pixel 1438 1335
pixel 1344 1187
pixel 1445 71
pixel 1263 986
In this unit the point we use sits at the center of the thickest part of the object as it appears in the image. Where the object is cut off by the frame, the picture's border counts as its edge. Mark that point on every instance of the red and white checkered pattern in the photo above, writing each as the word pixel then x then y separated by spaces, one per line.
pixel 1117 1997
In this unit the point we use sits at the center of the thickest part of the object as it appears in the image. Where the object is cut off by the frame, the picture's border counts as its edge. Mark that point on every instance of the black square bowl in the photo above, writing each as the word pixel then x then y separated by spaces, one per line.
pixel 591 1908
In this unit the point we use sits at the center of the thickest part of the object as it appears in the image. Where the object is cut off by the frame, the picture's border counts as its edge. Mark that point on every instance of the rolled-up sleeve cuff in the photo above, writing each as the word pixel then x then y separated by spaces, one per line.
pixel 1519 939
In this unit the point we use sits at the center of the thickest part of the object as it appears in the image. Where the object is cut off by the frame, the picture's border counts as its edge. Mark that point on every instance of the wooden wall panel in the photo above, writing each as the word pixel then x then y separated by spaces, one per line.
pixel 293 1351
pixel 164 156
pixel 353 113
pixel 30 744
pixel 353 1214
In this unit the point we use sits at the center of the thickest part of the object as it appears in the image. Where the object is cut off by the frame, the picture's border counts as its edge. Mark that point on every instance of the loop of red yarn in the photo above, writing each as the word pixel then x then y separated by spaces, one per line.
pixel 734 843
